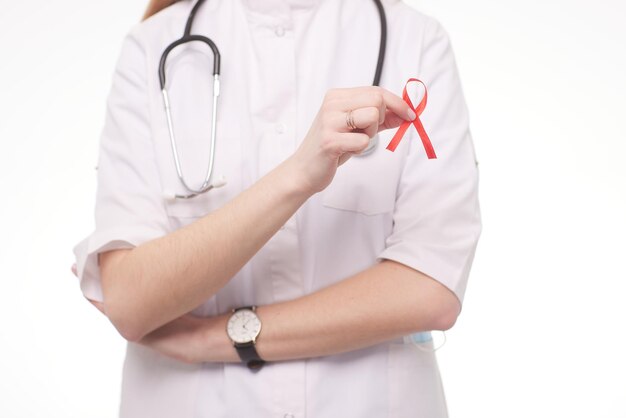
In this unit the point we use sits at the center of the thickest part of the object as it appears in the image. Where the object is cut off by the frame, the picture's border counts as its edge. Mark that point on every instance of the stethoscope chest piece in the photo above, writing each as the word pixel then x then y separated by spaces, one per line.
pixel 371 147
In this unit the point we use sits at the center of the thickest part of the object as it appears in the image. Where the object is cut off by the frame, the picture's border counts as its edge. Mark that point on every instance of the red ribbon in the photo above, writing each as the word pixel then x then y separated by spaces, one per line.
pixel 428 146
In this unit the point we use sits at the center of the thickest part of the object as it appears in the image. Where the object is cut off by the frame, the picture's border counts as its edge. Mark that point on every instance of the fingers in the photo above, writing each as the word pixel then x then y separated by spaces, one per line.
pixel 391 121
pixel 353 142
pixel 371 96
pixel 373 109
pixel 398 106
pixel 365 118
pixel 346 143
pixel 364 99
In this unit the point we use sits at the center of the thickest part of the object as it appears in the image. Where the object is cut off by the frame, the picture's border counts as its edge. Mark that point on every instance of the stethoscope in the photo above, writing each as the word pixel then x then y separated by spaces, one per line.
pixel 207 184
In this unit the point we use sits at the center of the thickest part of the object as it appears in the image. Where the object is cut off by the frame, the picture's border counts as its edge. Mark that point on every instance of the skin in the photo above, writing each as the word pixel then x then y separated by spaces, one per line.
pixel 311 326
pixel 155 6
pixel 149 290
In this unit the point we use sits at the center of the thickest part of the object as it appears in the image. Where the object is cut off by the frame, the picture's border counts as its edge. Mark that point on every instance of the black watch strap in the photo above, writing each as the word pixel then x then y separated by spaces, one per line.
pixel 247 351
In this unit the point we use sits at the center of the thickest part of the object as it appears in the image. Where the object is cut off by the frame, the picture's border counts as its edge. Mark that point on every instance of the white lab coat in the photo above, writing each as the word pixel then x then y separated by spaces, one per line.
pixel 278 60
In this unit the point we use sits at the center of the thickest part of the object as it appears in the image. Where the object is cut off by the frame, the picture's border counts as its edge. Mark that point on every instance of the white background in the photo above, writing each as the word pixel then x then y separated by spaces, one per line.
pixel 542 330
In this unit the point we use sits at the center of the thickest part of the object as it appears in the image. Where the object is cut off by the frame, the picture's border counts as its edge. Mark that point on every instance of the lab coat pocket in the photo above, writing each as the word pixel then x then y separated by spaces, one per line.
pixel 199 205
pixel 195 207
pixel 366 185
pixel 194 159
pixel 415 387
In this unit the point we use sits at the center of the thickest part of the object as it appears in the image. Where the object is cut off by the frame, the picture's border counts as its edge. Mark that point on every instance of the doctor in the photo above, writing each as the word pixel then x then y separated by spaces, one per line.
pixel 328 255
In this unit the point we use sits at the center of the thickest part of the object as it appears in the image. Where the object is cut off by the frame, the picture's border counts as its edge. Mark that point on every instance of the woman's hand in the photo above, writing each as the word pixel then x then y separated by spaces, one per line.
pixel 330 142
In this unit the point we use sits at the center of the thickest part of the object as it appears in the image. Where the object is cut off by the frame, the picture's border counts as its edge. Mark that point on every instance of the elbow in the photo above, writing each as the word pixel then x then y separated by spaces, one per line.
pixel 131 335
pixel 446 312
pixel 445 319
pixel 120 301
pixel 440 308
pixel 123 321
pixel 123 310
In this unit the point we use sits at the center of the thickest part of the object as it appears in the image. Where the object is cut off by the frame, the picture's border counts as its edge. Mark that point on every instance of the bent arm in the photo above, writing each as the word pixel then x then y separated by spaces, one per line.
pixel 153 283
pixel 383 302
pixel 162 279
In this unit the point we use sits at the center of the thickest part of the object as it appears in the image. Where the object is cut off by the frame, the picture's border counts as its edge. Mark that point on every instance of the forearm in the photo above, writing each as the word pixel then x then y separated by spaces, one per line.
pixel 384 302
pixel 160 280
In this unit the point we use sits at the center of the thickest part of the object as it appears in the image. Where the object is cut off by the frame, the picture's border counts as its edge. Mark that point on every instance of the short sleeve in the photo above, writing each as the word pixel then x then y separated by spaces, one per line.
pixel 437 217
pixel 129 206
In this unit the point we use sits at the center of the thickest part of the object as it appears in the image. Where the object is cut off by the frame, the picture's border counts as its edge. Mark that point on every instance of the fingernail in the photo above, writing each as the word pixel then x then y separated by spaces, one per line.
pixel 411 114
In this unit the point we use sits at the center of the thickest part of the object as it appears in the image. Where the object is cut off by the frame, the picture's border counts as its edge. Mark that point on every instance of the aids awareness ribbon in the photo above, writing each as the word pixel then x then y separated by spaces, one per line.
pixel 428 146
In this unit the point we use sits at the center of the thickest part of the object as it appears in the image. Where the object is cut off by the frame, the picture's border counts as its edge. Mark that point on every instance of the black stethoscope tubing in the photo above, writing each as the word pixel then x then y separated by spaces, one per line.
pixel 188 37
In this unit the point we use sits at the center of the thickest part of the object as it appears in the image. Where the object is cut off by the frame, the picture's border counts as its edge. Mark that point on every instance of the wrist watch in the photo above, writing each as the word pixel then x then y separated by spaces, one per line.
pixel 243 328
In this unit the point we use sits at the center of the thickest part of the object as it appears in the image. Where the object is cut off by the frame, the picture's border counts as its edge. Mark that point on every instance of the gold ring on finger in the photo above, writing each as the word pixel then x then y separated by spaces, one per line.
pixel 350 121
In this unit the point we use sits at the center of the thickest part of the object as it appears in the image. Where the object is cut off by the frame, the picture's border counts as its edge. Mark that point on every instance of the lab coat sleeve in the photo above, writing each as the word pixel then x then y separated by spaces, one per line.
pixel 129 206
pixel 436 220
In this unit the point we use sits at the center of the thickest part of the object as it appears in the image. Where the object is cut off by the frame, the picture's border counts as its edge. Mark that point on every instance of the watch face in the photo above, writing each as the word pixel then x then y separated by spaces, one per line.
pixel 243 326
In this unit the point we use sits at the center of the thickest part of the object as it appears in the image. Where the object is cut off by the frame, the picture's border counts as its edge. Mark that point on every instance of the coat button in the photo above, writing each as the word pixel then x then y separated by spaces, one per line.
pixel 279 31
pixel 280 128
pixel 289 416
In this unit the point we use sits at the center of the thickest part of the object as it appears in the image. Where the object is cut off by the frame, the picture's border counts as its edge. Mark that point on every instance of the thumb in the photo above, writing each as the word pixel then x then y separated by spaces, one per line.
pixel 391 121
